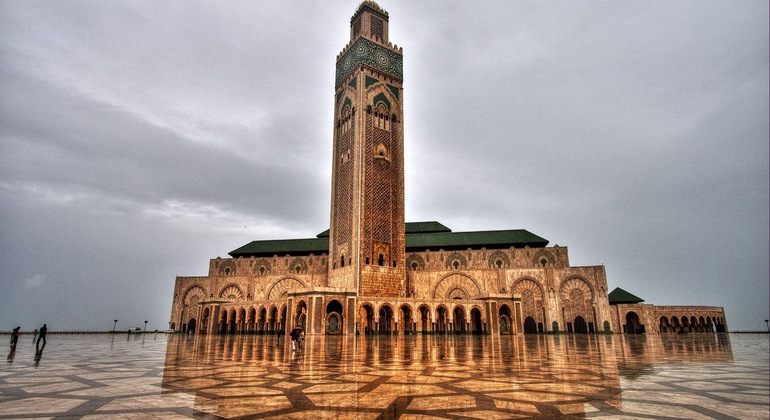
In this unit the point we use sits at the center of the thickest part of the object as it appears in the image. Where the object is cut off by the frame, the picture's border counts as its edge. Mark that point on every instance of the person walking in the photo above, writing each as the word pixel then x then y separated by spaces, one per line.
pixel 43 331
pixel 294 339
pixel 15 336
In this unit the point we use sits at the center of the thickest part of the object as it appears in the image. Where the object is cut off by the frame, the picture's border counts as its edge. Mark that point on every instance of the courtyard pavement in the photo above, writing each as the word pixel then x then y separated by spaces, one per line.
pixel 366 377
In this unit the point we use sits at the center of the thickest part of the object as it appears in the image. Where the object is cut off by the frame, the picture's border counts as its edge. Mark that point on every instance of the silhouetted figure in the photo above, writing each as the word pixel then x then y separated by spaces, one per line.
pixel 11 355
pixel 43 331
pixel 15 337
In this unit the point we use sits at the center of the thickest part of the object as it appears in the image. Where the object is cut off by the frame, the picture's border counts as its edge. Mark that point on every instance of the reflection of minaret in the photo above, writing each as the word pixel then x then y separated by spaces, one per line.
pixel 366 242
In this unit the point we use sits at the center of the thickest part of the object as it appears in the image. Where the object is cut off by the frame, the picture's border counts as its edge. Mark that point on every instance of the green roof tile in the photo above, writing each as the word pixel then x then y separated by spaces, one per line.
pixel 425 227
pixel 420 236
pixel 283 247
pixel 482 239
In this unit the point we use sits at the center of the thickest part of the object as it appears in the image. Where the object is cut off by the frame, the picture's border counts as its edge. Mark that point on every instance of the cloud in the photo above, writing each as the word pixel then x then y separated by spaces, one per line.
pixel 34 282
pixel 137 142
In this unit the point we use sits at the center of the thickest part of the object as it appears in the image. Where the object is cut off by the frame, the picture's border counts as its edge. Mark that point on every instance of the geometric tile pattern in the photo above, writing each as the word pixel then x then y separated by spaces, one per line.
pixel 371 55
pixel 407 377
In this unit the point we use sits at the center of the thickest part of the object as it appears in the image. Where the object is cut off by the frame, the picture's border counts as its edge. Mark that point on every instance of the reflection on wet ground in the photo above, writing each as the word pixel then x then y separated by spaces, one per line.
pixel 455 377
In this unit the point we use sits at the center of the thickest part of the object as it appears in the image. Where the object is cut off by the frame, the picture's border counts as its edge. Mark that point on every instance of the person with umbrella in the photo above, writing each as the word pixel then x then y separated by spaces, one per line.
pixel 296 334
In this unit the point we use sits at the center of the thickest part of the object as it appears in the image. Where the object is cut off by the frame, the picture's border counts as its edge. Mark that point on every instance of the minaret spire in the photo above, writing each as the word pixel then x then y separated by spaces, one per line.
pixel 370 21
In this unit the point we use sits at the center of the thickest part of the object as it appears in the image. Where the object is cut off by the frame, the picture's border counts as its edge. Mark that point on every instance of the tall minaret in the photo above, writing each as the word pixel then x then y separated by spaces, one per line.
pixel 366 243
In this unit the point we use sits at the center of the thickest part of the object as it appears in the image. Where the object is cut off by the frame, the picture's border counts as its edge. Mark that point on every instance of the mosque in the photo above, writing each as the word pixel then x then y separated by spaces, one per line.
pixel 371 272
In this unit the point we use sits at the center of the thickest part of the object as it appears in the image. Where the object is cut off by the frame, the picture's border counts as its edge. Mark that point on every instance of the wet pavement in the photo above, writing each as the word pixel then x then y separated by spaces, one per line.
pixel 408 377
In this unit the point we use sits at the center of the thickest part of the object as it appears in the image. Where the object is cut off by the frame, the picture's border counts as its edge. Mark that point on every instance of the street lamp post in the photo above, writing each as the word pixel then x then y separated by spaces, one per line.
pixel 114 325
pixel 145 326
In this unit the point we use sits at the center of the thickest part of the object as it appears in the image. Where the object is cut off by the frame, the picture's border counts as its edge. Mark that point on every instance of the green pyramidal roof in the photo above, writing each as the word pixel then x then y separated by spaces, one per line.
pixel 420 236
pixel 619 295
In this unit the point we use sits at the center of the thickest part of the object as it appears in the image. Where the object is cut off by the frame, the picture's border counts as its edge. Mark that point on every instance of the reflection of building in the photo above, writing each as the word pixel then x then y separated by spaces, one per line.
pixel 372 272
pixel 461 376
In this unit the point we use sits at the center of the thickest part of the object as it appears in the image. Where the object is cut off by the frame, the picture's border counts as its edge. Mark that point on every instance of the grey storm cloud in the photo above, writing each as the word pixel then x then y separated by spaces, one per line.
pixel 139 140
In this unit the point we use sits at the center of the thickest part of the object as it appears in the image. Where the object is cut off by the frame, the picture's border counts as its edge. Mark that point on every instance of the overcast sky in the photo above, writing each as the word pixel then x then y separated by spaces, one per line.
pixel 140 139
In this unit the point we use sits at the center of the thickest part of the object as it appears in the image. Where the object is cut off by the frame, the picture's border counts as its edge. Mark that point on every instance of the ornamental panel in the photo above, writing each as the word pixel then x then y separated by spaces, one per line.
pixel 371 55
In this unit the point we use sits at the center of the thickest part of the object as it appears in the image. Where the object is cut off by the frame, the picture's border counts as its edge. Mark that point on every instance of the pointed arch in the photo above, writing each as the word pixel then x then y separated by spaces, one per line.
pixel 532 296
pixel 381 101
pixel 193 295
pixel 576 283
pixel 384 104
pixel 456 286
pixel 231 291
pixel 577 299
pixel 406 318
pixel 530 284
pixel 282 286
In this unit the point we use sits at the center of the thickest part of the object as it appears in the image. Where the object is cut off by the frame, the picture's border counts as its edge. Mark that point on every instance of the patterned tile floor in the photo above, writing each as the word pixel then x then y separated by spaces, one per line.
pixel 412 377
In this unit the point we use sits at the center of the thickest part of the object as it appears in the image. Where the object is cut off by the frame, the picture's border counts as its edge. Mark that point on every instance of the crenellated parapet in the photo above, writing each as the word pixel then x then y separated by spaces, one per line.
pixel 376 39
pixel 263 266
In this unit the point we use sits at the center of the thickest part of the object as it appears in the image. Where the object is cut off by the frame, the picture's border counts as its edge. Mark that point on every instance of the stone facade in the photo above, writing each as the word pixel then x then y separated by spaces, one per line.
pixel 364 277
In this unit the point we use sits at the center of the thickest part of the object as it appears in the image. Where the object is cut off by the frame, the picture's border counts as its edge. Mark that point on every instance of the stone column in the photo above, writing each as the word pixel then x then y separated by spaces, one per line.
pixel 289 315
pixel 213 319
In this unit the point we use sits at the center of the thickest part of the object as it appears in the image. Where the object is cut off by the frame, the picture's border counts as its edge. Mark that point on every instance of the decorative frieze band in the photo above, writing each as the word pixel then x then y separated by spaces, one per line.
pixel 372 55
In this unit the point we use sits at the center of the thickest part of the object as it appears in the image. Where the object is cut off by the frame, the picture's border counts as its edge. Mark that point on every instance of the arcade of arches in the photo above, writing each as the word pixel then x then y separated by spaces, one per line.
pixel 523 314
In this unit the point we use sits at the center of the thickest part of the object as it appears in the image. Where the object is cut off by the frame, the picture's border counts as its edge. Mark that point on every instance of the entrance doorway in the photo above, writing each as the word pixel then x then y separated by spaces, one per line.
pixel 334 317
pixel 505 320
pixel 459 316
pixel 530 327
pixel 476 321
pixel 386 319
pixel 366 319
pixel 580 325
pixel 633 326
pixel 406 319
